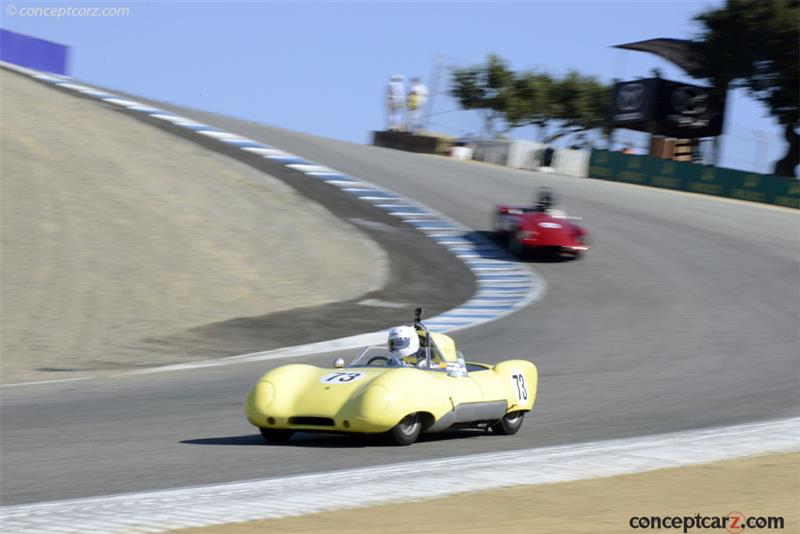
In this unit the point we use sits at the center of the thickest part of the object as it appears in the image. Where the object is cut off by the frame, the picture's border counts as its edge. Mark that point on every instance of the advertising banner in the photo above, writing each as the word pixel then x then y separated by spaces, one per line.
pixel 694 178
pixel 33 53
pixel 665 107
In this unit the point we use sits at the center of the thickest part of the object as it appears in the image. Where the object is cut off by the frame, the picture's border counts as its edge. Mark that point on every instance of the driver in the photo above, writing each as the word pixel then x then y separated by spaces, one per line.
pixel 403 345
pixel 545 200
pixel 405 349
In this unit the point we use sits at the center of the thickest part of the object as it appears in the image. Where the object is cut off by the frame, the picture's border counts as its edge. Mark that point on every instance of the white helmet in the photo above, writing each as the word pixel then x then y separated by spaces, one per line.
pixel 403 341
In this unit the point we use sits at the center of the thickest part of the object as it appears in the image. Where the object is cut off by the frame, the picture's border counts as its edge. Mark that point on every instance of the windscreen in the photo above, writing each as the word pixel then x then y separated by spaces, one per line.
pixel 379 356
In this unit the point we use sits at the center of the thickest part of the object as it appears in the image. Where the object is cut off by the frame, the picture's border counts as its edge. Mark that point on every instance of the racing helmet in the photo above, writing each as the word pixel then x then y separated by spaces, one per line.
pixel 403 341
pixel 545 198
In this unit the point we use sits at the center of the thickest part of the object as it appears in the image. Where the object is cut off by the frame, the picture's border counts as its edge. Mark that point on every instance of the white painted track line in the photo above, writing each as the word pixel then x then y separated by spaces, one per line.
pixel 159 511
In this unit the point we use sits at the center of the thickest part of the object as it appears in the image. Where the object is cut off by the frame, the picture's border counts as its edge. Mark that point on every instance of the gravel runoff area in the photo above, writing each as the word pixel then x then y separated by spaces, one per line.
pixel 760 487
pixel 117 239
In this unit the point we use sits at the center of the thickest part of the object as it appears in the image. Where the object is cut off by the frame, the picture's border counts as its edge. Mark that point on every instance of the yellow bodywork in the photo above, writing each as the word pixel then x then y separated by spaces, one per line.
pixel 375 399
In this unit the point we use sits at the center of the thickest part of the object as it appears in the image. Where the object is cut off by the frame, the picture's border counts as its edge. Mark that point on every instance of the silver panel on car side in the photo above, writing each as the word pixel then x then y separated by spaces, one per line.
pixel 471 411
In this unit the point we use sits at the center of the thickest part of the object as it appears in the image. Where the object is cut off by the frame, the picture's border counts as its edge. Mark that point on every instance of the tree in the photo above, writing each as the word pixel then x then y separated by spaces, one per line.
pixel 581 103
pixel 484 88
pixel 573 104
pixel 755 45
pixel 530 101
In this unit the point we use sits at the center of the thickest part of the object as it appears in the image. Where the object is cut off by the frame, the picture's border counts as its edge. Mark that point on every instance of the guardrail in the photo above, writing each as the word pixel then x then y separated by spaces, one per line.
pixel 695 178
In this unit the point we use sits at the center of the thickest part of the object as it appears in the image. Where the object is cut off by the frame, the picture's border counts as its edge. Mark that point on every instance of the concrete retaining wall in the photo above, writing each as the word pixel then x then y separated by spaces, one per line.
pixel 521 154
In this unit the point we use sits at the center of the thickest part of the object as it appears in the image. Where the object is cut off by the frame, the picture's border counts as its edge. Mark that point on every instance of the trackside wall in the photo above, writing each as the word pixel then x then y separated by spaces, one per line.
pixel 522 154
pixel 695 178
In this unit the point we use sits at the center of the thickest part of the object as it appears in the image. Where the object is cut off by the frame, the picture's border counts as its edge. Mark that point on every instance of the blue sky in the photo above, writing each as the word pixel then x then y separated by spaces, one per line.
pixel 321 67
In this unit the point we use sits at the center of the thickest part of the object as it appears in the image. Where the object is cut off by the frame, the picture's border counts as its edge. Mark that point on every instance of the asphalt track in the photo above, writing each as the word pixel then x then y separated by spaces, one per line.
pixel 684 315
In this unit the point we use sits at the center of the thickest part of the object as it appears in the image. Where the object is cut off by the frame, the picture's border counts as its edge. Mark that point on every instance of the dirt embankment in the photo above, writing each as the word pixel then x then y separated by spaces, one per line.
pixel 117 237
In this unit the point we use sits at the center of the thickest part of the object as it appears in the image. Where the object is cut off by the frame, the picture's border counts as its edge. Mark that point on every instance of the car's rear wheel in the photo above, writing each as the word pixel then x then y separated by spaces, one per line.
pixel 276 435
pixel 509 424
pixel 496 228
pixel 516 246
pixel 406 431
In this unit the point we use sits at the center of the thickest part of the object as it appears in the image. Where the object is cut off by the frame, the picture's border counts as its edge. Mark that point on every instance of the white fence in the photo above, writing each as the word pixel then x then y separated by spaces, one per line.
pixel 491 150
pixel 572 162
pixel 521 154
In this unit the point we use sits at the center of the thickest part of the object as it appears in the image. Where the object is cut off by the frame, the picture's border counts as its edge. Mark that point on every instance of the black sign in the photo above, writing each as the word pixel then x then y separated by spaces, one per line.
pixel 690 110
pixel 634 102
pixel 665 107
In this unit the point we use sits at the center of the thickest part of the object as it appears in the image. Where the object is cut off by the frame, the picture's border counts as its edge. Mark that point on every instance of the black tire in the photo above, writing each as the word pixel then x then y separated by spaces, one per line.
pixel 516 247
pixel 406 431
pixel 495 222
pixel 509 424
pixel 276 435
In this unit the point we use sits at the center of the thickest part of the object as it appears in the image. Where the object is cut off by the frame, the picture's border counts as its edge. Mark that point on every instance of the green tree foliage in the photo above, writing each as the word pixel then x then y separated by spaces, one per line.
pixel 581 102
pixel 530 101
pixel 484 88
pixel 755 45
pixel 573 104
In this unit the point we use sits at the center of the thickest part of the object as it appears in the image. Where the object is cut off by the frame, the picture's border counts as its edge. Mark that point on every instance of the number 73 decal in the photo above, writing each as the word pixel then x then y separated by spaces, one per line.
pixel 519 386
pixel 341 377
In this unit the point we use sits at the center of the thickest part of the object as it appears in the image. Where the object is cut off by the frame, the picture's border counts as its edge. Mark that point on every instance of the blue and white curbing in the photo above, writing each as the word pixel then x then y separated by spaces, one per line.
pixel 503 286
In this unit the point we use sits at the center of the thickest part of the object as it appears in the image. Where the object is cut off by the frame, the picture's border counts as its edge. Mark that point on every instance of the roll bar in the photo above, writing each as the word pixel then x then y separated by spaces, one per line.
pixel 428 342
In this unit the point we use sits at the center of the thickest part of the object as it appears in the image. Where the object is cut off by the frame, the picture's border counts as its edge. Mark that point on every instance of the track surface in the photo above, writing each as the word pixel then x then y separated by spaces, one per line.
pixel 684 315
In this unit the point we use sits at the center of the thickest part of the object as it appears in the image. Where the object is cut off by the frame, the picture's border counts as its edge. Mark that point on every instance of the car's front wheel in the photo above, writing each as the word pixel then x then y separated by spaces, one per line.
pixel 275 435
pixel 509 424
pixel 406 431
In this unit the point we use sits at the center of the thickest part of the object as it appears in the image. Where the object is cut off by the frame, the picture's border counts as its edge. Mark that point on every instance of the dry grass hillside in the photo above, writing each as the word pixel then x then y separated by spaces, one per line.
pixel 114 232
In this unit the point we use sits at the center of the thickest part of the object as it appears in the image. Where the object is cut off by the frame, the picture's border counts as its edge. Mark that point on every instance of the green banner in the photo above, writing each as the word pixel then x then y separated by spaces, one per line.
pixel 705 179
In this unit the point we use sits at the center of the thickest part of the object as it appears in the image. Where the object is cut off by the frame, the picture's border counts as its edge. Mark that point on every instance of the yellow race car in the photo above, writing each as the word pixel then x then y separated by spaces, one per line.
pixel 430 391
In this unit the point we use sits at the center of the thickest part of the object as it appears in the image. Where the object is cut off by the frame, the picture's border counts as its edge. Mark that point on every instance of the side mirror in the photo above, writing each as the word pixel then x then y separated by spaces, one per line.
pixel 338 363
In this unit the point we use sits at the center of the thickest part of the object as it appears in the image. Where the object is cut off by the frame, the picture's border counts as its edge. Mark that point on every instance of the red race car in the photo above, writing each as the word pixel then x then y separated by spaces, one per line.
pixel 540 228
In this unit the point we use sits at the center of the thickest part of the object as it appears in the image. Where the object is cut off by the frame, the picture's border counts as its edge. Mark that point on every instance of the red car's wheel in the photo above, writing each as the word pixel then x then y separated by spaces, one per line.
pixel 516 245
